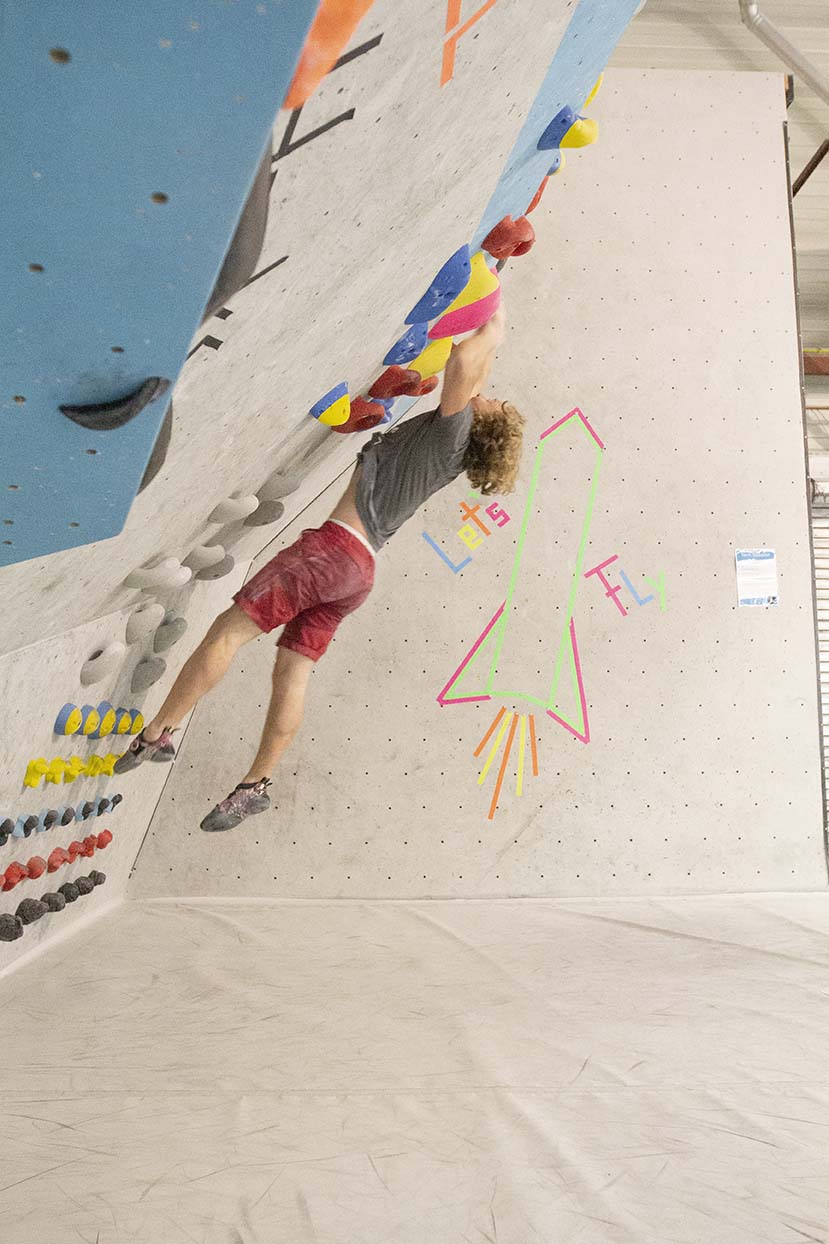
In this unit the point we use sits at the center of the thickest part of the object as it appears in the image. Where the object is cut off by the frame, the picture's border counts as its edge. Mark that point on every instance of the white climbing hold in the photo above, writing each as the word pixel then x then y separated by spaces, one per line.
pixel 144 620
pixel 103 662
pixel 164 574
pixel 268 512
pixel 233 509
pixel 279 484
pixel 204 555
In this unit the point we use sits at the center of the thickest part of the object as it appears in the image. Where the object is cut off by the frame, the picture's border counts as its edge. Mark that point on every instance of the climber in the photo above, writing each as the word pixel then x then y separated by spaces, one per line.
pixel 328 573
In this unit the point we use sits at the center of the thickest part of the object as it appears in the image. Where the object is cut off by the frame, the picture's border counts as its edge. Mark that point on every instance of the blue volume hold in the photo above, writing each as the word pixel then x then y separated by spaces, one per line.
pixel 329 399
pixel 444 288
pixel 550 140
pixel 411 344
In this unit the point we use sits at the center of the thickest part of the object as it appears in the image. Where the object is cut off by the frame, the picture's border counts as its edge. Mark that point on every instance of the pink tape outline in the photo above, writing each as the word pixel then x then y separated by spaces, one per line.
pixel 585 421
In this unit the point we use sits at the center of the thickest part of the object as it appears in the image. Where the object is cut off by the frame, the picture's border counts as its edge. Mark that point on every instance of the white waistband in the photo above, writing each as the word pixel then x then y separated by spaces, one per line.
pixel 358 534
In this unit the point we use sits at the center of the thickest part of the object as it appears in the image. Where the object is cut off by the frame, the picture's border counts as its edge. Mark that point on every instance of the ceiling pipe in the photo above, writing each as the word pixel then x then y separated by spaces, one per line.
pixel 771 36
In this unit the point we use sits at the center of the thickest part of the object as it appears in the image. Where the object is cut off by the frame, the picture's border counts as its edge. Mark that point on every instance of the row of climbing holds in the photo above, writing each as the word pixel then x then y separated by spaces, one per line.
pixel 37 865
pixel 97 722
pixel 68 770
pixel 40 823
pixel 32 909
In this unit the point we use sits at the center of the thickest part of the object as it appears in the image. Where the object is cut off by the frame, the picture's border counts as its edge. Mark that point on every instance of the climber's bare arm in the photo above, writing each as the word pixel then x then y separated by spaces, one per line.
pixel 469 365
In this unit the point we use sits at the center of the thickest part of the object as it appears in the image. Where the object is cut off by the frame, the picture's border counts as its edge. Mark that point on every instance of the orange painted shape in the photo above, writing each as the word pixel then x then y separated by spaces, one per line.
pixel 489 732
pixel 533 751
pixel 453 13
pixel 333 26
pixel 503 768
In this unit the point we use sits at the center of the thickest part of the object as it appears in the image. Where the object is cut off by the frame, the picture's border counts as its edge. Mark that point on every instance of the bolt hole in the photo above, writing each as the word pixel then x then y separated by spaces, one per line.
pixel 60 56
pixel 74 524
pixel 36 267
pixel 159 197
pixel 14 487
pixel 117 349
pixel 18 397
pixel 91 451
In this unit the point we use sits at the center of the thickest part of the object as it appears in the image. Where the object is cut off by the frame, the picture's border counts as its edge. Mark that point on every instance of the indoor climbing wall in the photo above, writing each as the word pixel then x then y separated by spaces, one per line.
pixel 556 692
pixel 357 253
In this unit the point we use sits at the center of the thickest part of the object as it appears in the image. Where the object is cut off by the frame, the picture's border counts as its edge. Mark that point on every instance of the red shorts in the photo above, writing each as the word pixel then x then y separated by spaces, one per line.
pixel 311 586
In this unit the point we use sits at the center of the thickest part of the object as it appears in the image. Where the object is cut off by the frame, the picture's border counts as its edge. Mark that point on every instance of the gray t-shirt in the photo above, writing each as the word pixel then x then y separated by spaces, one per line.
pixel 402 468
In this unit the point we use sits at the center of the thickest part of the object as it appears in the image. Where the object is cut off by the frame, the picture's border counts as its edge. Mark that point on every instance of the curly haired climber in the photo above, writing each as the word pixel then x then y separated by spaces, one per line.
pixel 310 587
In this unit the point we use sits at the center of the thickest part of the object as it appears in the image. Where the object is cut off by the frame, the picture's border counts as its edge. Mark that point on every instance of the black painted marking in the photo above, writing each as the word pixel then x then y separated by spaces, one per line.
pixel 223 313
pixel 355 52
pixel 213 342
pixel 264 271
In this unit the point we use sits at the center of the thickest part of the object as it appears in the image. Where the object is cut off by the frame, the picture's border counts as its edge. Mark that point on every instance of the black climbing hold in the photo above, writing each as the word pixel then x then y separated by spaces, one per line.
pixel 55 902
pixel 31 909
pixel 10 928
pixel 97 878
pixel 87 809
pixel 6 826
pixel 85 885
pixel 103 806
pixel 51 818
pixel 4 838
pixel 106 416
pixel 69 891
pixel 68 816
pixel 30 825
pixel 116 799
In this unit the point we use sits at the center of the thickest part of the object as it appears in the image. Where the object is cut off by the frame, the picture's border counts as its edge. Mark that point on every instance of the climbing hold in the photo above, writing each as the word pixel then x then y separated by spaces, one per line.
pixel 85 886
pixel 364 416
pixel 69 891
pixel 581 133
pixel 123 721
pixel 75 849
pixel 36 866
pixel 57 859
pixel 103 806
pixel 74 768
pixel 96 877
pixel 233 509
pixel 279 484
pixel 475 305
pixel 106 721
pixel 409 346
pixel 68 816
pixel 509 238
pixel 169 633
pixel 143 620
pixel 445 287
pixel 146 673
pixel 401 382
pixel 268 512
pixel 169 573
pixel 557 164
pixel 17 832
pixel 137 722
pixel 104 838
pixel 106 416
pixel 331 29
pixel 30 824
pixel 116 799
pixel 87 809
pixel 30 909
pixel 10 928
pixel 596 86
pixel 55 902
pixel 68 720
pixel 91 719
pixel 51 818
pixel 204 555
pixel 433 359
pixel 90 842
pixel 35 770
pixel 14 874
pixel 219 570
pixel 6 826
pixel 536 199
pixel 555 131
pixel 333 407
pixel 102 663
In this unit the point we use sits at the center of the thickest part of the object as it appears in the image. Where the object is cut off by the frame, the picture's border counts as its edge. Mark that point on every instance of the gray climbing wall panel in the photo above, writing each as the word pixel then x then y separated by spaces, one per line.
pixel 659 300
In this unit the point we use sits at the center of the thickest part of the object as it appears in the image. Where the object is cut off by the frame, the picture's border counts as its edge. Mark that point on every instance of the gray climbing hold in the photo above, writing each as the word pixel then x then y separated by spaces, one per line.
pixel 10 928
pixel 30 824
pixel 68 816
pixel 7 826
pixel 219 570
pixel 85 885
pixel 143 621
pixel 55 902
pixel 97 878
pixel 169 633
pixel 146 673
pixel 232 509
pixel 279 484
pixel 116 799
pixel 87 809
pixel 51 818
pixel 102 663
pixel 69 891
pixel 168 573
pixel 30 909
pixel 204 555
pixel 268 512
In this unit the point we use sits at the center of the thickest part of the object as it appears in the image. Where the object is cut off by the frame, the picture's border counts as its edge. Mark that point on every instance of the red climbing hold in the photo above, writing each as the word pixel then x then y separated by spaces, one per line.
pixel 104 838
pixel 57 859
pixel 14 874
pixel 399 381
pixel 75 849
pixel 537 196
pixel 90 843
pixel 509 238
pixel 36 866
pixel 364 416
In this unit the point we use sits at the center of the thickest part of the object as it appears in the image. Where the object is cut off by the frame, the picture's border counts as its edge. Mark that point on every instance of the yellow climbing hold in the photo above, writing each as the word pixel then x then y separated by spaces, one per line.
pixel 137 724
pixel 337 412
pixel 73 722
pixel 481 283
pixel 35 771
pixel 93 721
pixel 107 722
pixel 433 359
pixel 581 133
pixel 595 91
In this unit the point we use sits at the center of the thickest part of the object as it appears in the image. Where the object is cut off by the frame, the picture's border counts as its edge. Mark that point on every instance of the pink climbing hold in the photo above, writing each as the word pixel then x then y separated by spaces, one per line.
pixel 509 238
pixel 364 416
pixel 399 381
pixel 467 319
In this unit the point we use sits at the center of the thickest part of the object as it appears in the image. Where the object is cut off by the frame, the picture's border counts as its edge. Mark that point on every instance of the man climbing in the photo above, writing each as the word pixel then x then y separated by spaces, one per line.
pixel 328 573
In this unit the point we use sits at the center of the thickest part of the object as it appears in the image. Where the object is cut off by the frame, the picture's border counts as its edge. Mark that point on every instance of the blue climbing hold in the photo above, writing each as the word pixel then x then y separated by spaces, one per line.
pixel 444 288
pixel 328 399
pixel 409 346
pixel 556 164
pixel 550 140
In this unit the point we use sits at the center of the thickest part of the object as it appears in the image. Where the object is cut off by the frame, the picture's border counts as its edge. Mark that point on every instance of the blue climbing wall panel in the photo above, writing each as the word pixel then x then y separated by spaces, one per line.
pixel 132 136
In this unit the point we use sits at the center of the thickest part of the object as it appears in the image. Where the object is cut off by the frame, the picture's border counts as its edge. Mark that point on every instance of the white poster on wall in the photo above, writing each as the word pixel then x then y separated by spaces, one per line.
pixel 756 576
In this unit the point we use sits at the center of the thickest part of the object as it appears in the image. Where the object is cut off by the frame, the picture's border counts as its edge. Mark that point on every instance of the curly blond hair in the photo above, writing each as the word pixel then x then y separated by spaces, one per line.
pixel 493 456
